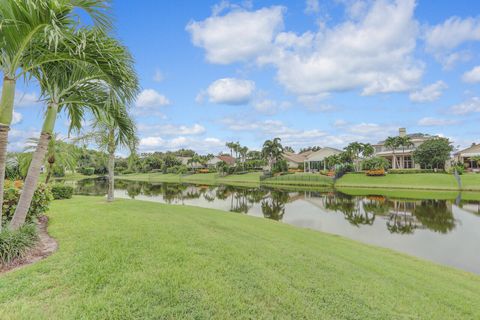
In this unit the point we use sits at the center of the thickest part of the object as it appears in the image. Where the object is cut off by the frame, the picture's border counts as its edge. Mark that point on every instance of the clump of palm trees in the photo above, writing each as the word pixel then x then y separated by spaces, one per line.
pixel 394 143
pixel 81 71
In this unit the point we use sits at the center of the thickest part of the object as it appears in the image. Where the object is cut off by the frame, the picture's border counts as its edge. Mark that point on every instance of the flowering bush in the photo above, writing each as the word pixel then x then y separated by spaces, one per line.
pixel 40 202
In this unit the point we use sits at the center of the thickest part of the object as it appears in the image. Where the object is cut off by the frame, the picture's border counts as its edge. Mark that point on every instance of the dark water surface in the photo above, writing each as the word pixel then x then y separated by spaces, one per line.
pixel 443 231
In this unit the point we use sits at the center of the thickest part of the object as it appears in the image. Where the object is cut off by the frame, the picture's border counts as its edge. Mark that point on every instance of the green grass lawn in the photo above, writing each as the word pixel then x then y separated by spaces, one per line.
pixel 430 181
pixel 142 260
pixel 471 181
pixel 300 179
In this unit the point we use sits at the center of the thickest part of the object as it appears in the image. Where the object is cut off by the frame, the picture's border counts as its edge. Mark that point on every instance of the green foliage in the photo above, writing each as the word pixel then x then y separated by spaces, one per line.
pixel 411 171
pixel 88 171
pixel 178 169
pixel 433 153
pixel 40 202
pixel 61 191
pixel 58 171
pixel 280 166
pixel 376 163
pixel 14 244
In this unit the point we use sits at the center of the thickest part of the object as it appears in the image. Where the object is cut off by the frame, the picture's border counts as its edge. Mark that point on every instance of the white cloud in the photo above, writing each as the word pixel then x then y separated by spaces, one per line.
pixel 429 93
pixel 17 118
pixel 472 76
pixel 452 33
pixel 230 91
pixel 149 98
pixel 169 129
pixel 17 138
pixel 469 106
pixel 25 99
pixel 371 128
pixel 238 35
pixel 373 53
pixel 443 39
pixel 156 143
pixel 339 123
pixel 433 122
pixel 158 76
pixel 312 6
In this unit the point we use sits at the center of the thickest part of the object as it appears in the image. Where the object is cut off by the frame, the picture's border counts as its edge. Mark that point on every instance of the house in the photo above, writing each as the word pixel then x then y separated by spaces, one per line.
pixel 225 158
pixel 294 161
pixel 402 158
pixel 467 157
pixel 315 161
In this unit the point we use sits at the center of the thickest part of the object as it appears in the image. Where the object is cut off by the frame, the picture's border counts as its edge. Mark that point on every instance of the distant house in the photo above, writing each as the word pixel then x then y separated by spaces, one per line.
pixel 315 161
pixel 225 158
pixel 398 158
pixel 293 160
pixel 465 156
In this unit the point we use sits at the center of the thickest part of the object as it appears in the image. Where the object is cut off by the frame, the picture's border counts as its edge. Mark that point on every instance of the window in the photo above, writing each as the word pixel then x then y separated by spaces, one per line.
pixel 407 162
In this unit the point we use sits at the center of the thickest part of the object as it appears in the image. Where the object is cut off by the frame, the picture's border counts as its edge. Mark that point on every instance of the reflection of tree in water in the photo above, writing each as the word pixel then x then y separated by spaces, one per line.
pixel 401 219
pixel 435 215
pixel 92 187
pixel 239 201
pixel 172 191
pixel 350 207
pixel 274 206
pixel 255 195
pixel 209 194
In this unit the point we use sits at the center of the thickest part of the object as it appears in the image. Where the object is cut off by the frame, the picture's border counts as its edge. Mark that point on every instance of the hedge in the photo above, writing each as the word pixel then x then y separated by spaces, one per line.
pixel 61 191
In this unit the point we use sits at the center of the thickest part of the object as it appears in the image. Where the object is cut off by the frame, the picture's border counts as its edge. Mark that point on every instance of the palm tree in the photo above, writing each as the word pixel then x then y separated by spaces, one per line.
pixel 392 143
pixel 111 130
pixel 355 149
pixel 243 153
pixel 58 153
pixel 404 142
pixel 78 87
pixel 25 25
pixel 230 146
pixel 272 151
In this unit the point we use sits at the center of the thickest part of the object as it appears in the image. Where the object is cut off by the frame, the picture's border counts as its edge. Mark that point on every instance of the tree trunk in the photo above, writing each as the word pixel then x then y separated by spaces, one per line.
pixel 49 174
pixel 30 182
pixel 6 114
pixel 111 177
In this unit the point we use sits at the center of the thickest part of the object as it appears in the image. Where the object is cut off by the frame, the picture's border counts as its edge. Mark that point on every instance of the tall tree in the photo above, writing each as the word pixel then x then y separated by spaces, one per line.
pixel 77 88
pixel 272 151
pixel 404 142
pixel 392 143
pixel 25 25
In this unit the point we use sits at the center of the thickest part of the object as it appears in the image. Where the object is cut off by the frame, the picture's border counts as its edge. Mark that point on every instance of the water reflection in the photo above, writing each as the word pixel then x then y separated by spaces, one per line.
pixel 450 227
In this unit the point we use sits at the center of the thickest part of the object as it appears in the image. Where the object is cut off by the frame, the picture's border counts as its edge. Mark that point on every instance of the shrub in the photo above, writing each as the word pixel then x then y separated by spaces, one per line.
pixel 376 163
pixel 376 172
pixel 14 244
pixel 180 169
pixel 407 171
pixel 61 191
pixel 40 202
pixel 88 171
pixel 203 171
pixel 58 171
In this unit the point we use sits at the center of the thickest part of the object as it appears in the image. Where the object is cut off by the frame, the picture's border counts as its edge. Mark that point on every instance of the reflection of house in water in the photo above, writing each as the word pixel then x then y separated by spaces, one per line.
pixel 471 206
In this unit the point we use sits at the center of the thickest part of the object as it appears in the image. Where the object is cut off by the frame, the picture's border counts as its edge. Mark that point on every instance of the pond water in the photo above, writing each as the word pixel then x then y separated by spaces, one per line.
pixel 443 231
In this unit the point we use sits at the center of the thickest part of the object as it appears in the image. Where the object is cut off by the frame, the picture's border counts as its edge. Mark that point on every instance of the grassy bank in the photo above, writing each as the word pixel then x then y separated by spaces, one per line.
pixel 252 178
pixel 425 181
pixel 142 260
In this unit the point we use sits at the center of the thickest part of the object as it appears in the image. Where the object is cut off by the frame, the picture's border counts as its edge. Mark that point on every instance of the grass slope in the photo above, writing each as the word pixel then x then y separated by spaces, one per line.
pixel 141 260
pixel 428 181
pixel 471 181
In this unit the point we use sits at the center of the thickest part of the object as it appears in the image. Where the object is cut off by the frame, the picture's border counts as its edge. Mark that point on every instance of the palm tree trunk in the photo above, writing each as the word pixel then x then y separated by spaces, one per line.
pixel 6 114
pixel 34 170
pixel 111 177
pixel 49 174
pixel 30 182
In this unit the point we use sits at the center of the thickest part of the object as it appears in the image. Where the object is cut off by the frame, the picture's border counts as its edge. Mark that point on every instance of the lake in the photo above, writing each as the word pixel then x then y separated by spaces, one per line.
pixel 443 231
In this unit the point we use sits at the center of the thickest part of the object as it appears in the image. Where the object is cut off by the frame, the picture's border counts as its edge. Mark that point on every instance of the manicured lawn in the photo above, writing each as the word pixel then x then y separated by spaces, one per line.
pixel 430 181
pixel 471 181
pixel 300 179
pixel 142 260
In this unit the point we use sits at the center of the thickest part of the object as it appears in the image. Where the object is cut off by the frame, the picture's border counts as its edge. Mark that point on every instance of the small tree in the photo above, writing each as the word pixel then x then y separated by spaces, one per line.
pixel 433 153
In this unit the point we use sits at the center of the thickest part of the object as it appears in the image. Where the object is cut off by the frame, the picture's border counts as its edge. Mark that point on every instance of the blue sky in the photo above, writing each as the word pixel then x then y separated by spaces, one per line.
pixel 322 72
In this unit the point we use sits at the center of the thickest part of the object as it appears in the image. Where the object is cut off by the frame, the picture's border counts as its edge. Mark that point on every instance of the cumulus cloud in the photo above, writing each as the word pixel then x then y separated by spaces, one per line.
pixel 150 98
pixel 434 122
pixel 443 39
pixel 25 99
pixel 156 143
pixel 169 129
pixel 470 106
pixel 374 54
pixel 429 93
pixel 472 76
pixel 229 91
pixel 238 35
